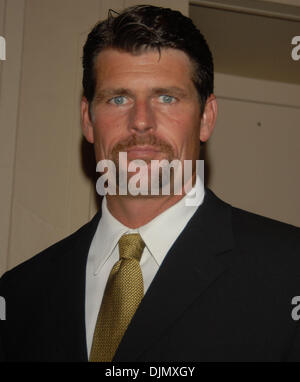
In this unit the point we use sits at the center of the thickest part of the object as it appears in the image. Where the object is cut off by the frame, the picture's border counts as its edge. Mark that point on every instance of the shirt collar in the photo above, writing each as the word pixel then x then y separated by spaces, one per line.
pixel 107 236
pixel 161 232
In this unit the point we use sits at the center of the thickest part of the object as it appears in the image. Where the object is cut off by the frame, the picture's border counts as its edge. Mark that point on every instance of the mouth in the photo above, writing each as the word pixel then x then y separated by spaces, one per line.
pixel 143 150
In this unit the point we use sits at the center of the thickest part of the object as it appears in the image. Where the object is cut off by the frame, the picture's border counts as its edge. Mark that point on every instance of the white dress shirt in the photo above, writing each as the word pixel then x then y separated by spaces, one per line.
pixel 158 235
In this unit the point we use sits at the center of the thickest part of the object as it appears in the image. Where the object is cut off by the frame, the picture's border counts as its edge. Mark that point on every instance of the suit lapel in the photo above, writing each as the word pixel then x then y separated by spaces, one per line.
pixel 70 283
pixel 189 268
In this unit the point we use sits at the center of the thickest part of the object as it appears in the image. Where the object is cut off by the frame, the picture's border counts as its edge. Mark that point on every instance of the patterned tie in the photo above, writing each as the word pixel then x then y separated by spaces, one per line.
pixel 123 293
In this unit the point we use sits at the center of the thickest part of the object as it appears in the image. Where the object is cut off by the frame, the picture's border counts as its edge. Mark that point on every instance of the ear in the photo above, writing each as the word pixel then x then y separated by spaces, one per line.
pixel 86 123
pixel 209 118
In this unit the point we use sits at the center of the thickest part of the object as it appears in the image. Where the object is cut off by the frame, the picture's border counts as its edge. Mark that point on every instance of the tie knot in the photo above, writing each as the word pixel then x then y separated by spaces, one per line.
pixel 131 246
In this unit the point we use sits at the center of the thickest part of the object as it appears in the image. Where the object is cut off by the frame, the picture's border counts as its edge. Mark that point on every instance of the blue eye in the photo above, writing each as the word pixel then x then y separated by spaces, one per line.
pixel 166 99
pixel 119 100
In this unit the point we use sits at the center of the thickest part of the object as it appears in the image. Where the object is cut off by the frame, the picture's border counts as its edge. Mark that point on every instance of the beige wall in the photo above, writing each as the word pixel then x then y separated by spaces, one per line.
pixel 11 27
pixel 254 153
pixel 46 190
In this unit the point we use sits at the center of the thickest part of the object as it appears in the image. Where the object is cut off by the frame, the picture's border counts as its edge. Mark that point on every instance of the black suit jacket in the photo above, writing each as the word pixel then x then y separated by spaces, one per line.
pixel 222 293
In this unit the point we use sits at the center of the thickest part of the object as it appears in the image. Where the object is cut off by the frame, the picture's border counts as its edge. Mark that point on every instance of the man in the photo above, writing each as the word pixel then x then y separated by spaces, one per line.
pixel 151 278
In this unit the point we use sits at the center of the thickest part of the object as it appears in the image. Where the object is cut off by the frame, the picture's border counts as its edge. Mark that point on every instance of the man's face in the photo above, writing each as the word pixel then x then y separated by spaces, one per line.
pixel 146 105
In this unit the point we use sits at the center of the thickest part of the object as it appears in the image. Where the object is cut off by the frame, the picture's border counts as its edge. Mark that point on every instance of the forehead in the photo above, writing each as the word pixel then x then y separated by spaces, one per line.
pixel 171 66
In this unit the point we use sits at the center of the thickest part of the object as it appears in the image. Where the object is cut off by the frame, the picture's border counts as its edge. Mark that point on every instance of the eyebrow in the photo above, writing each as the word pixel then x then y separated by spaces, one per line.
pixel 111 92
pixel 172 90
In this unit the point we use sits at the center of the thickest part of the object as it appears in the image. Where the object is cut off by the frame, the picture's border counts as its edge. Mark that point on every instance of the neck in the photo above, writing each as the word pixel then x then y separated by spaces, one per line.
pixel 136 211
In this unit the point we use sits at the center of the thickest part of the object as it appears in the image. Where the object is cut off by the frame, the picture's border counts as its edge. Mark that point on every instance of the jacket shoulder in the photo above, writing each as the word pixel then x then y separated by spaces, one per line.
pixel 57 252
pixel 267 239
pixel 253 224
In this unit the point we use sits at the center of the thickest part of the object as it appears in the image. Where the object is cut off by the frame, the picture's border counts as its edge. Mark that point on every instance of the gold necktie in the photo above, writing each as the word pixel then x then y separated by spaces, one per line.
pixel 123 293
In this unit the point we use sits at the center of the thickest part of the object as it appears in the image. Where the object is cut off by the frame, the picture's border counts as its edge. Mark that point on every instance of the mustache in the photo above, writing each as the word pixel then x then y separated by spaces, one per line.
pixel 135 140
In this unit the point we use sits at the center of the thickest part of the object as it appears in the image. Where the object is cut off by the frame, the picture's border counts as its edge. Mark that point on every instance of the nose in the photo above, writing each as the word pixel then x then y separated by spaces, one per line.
pixel 142 118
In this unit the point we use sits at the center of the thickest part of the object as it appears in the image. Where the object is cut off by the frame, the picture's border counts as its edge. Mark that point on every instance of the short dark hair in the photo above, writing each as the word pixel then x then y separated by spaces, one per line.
pixel 143 27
